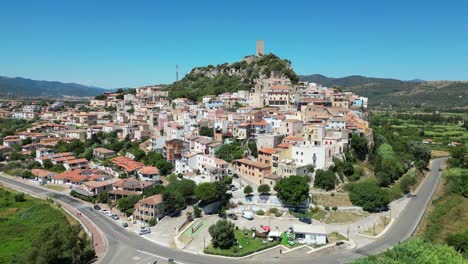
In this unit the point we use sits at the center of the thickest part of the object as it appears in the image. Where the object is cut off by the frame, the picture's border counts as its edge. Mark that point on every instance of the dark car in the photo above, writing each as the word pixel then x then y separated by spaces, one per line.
pixel 232 216
pixel 97 207
pixel 306 220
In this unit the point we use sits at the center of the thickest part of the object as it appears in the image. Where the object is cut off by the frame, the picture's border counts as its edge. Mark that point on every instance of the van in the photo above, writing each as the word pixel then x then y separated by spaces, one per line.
pixel 248 215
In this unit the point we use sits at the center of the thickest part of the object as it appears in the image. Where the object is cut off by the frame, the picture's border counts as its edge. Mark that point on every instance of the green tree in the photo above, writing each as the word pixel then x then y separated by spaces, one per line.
pixel 206 131
pixel 459 242
pixel 359 144
pixel 47 164
pixel 407 181
pixel 100 97
pixel 253 149
pixel 368 195
pixel 164 166
pixel 126 204
pixel 172 202
pixel 263 189
pixel 248 190
pixel 293 190
pixel 230 152
pixel 185 187
pixel 420 152
pixel 325 180
pixel 222 234
pixel 197 211
pixel 205 191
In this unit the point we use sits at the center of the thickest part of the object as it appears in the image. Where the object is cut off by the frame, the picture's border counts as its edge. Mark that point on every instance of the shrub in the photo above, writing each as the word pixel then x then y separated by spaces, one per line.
pixel 19 197
pixel 273 210
pixel 327 208
pixel 260 212
pixel 334 208
pixel 152 222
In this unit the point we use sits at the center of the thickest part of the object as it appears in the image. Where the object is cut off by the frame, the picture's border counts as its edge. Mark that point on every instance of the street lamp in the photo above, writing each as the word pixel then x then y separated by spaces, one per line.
pixel 314 158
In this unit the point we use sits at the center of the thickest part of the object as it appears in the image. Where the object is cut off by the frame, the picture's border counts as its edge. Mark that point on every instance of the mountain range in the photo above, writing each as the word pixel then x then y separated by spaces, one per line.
pixel 385 91
pixel 22 87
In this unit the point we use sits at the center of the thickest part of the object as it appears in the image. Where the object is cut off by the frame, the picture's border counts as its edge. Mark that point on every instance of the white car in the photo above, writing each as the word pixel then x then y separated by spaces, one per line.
pixel 144 231
pixel 248 215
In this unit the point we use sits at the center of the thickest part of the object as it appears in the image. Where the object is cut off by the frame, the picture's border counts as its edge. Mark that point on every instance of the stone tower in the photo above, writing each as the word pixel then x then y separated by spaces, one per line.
pixel 260 48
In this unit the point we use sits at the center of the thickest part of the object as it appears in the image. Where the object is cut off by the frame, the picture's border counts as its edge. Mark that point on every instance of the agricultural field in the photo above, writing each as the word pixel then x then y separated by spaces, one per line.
pixel 438 131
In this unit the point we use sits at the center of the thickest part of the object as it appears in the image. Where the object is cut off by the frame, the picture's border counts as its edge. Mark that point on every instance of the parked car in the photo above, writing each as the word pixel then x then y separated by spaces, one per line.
pixel 305 220
pixel 124 224
pixel 97 207
pixel 248 215
pixel 234 188
pixel 104 211
pixel 440 169
pixel 144 231
pixel 109 214
pixel 232 216
pixel 115 217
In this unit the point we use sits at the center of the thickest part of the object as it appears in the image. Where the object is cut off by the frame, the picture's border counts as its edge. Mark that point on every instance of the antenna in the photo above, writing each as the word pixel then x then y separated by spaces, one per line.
pixel 177 72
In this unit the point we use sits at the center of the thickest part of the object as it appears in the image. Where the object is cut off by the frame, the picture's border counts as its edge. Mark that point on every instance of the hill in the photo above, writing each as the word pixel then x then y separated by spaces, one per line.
pixel 394 92
pixel 214 80
pixel 23 87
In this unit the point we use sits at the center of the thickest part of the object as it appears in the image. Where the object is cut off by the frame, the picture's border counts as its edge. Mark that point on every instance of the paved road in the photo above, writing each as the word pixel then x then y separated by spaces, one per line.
pixel 125 247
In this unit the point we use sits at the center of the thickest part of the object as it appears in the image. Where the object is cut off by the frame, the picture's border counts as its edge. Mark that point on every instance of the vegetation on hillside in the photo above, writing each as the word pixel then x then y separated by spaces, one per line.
pixel 214 80
pixel 33 231
pixel 416 251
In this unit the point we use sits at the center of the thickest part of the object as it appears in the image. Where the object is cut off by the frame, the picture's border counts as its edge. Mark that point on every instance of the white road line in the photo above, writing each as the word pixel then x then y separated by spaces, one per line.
pixel 161 257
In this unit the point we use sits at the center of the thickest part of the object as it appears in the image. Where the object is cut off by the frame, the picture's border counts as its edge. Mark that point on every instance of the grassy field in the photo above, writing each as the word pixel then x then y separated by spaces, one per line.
pixel 344 217
pixel 335 236
pixel 21 223
pixel 337 199
pixel 446 215
pixel 248 245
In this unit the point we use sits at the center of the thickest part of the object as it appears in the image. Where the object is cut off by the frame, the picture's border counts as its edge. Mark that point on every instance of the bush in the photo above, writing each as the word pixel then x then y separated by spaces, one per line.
pixel 197 211
pixel 327 208
pixel 334 208
pixel 459 242
pixel 152 222
pixel 264 188
pixel 19 197
pixel 260 212
pixel 273 210
pixel 407 181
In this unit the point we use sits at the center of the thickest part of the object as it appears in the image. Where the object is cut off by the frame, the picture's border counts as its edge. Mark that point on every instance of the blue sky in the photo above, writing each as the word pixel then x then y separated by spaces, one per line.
pixel 132 43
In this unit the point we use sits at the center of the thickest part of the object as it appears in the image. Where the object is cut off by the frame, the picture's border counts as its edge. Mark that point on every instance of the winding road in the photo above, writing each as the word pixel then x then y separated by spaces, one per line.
pixel 126 247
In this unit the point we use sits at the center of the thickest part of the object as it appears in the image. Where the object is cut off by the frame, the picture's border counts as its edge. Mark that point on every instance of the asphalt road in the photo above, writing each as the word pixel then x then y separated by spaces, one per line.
pixel 125 247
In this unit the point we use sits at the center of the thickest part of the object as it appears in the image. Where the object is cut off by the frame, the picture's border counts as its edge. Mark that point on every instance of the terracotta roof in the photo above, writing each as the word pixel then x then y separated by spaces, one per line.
pixel 293 138
pixel 149 170
pixel 127 163
pixel 42 173
pixel 285 145
pixel 75 161
pixel 268 150
pixel 74 175
pixel 152 200
pixel 259 123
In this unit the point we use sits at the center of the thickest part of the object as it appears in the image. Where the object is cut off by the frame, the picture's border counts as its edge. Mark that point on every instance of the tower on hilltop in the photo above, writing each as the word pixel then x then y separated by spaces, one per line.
pixel 260 50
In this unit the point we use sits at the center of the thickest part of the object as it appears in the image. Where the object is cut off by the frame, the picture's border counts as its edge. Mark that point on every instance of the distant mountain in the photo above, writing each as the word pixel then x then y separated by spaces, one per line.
pixel 22 87
pixel 451 94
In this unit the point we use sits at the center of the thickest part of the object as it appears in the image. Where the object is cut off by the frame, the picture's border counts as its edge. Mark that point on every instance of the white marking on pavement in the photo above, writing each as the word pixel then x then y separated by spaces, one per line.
pixel 161 257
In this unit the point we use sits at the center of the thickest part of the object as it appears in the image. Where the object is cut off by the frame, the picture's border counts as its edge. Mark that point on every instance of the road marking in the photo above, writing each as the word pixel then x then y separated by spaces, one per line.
pixel 161 257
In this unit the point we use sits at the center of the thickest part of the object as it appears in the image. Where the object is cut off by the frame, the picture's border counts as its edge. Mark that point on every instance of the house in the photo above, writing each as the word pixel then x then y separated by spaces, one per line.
pixel 149 208
pixel 74 164
pixel 72 176
pixel 252 171
pixel 173 149
pixel 5 149
pixel 310 234
pixel 43 176
pixel 96 187
pixel 12 142
pixel 126 164
pixel 129 186
pixel 103 153
pixel 79 134
pixel 149 173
